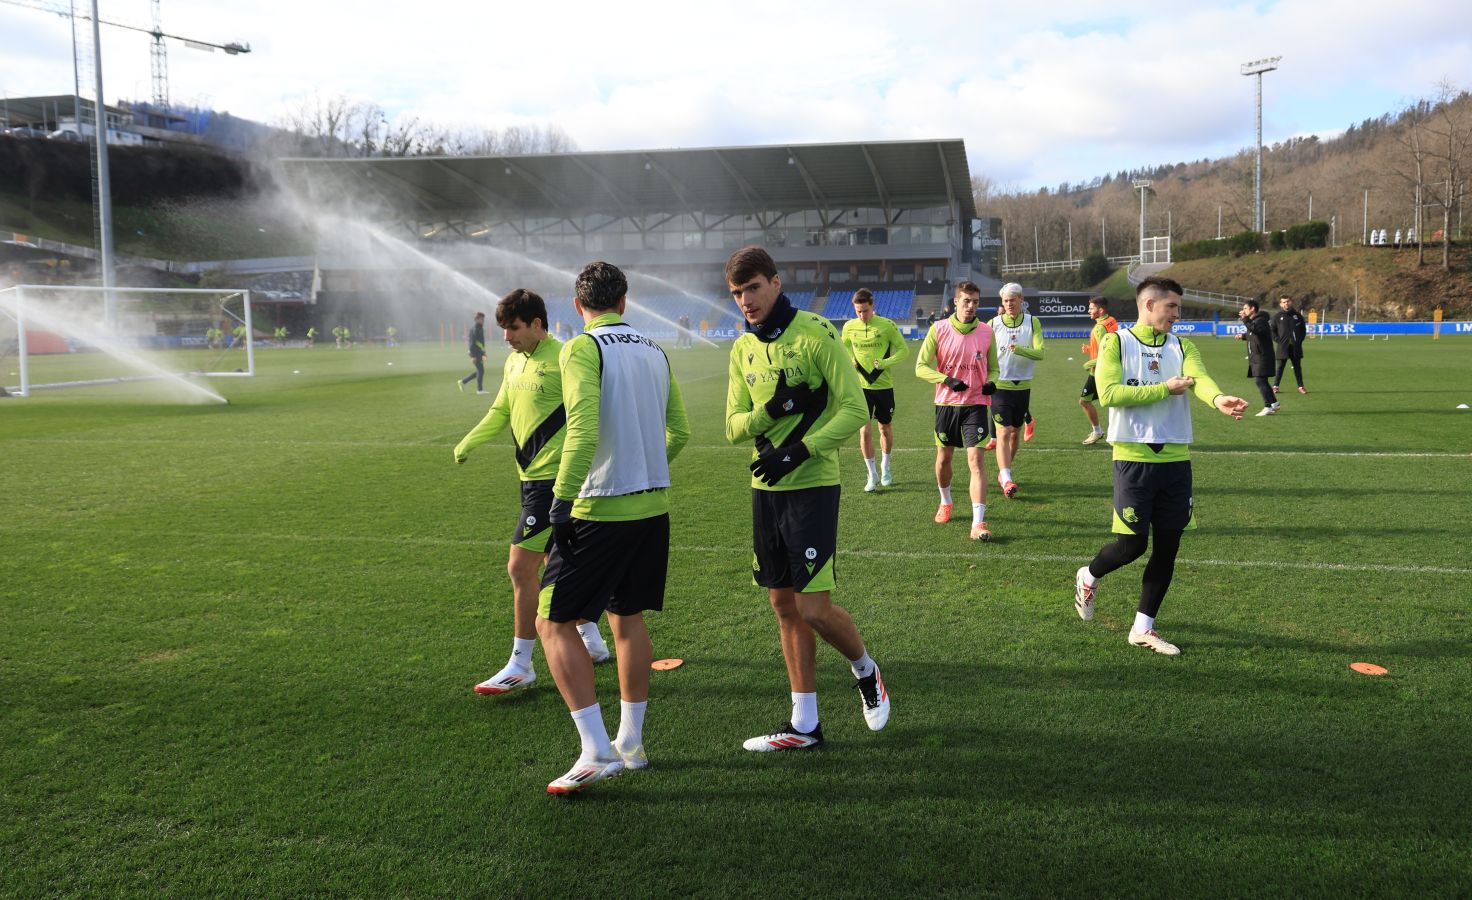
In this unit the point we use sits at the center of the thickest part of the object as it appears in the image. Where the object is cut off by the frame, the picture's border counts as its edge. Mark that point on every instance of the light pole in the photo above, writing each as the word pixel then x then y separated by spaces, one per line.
pixel 1258 67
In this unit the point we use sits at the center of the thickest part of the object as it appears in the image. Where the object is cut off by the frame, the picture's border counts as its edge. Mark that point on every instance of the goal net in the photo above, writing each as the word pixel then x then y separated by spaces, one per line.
pixel 66 336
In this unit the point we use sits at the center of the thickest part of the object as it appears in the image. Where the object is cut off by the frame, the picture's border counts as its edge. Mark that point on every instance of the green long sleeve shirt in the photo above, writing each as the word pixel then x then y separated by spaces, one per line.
pixel 530 401
pixel 1035 351
pixel 1109 374
pixel 582 394
pixel 875 345
pixel 809 352
pixel 925 363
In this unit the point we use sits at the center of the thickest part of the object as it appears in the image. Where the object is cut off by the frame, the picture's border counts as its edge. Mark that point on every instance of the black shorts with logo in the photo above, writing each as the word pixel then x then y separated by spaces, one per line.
pixel 536 506
pixel 960 426
pixel 616 566
pixel 1091 389
pixel 881 404
pixel 1148 493
pixel 1009 408
pixel 794 535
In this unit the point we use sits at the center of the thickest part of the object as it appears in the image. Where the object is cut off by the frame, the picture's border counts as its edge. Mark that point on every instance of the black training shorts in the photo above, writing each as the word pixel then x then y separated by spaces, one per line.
pixel 958 426
pixel 1009 408
pixel 616 566
pixel 1091 389
pixel 881 404
pixel 794 535
pixel 1156 494
pixel 536 506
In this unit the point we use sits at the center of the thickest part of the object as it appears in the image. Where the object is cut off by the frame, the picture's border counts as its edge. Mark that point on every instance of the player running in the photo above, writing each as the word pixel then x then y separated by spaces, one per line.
pixel 530 401
pixel 875 343
pixel 1019 343
pixel 610 518
pixel 1143 376
pixel 957 357
pixel 793 391
pixel 1104 324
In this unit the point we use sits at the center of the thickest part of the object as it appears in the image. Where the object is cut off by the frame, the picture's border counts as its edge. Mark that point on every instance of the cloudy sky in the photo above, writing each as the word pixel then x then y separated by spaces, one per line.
pixel 1041 92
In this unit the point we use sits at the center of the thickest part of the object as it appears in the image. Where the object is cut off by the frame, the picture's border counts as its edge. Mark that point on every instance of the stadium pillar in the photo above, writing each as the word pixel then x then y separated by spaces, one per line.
pixel 104 185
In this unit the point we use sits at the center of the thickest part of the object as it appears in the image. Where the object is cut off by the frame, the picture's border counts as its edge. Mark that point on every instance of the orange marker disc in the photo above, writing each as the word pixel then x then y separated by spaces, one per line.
pixel 662 664
pixel 1365 668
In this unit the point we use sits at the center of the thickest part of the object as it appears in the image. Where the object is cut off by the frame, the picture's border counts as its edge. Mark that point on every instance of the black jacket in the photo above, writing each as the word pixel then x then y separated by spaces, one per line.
pixel 477 341
pixel 1260 361
pixel 1289 330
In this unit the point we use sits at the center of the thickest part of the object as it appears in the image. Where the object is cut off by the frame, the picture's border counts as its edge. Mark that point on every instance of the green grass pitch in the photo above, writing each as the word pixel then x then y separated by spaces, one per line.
pixel 237 645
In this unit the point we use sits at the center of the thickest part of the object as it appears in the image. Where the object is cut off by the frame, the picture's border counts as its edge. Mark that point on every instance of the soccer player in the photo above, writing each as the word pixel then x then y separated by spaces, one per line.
pixel 958 356
pixel 477 356
pixel 1259 338
pixel 1019 343
pixel 1289 329
pixel 1104 324
pixel 875 343
pixel 610 518
pixel 793 391
pixel 530 402
pixel 311 337
pixel 1143 375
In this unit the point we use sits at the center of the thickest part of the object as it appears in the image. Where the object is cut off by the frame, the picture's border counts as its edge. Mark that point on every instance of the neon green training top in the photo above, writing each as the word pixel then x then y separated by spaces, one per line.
pixel 530 401
pixel 925 362
pixel 1034 352
pixel 809 352
pixel 582 394
pixel 1113 392
pixel 876 344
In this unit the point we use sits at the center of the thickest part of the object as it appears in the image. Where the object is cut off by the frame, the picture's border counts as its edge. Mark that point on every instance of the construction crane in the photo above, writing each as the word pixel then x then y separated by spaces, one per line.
pixel 158 51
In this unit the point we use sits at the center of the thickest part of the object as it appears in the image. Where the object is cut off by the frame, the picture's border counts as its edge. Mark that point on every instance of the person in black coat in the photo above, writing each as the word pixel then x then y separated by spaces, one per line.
pixel 477 356
pixel 1259 338
pixel 1289 330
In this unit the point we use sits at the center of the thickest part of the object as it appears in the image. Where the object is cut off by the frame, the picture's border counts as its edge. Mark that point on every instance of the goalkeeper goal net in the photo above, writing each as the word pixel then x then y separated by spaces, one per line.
pixel 68 336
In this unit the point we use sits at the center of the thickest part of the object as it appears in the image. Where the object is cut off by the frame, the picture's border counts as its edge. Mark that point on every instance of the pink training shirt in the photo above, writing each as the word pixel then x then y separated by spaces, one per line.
pixel 962 356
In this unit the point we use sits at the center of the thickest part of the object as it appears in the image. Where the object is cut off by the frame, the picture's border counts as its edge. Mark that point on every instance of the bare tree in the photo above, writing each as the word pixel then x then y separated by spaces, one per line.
pixel 1449 140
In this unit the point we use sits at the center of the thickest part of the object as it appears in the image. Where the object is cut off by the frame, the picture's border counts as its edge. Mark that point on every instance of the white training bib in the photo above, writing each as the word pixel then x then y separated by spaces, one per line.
pixel 1165 422
pixel 1012 366
pixel 631 415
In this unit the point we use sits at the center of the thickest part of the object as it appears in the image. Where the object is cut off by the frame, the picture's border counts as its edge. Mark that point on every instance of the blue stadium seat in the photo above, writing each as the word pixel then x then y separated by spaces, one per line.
pixel 840 306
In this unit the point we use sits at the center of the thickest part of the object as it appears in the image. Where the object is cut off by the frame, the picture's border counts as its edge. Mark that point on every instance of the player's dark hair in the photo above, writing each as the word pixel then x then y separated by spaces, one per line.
pixel 1101 302
pixel 749 262
pixel 600 286
pixel 864 295
pixel 1159 283
pixel 521 305
pixel 1251 303
pixel 1286 297
pixel 967 287
pixel 480 315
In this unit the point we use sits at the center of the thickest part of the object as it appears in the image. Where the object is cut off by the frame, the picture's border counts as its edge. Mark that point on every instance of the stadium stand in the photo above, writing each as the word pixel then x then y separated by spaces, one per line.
pixel 892 303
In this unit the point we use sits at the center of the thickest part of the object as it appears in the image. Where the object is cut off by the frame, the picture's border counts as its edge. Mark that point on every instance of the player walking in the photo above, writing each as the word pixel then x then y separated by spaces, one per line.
pixel 793 391
pixel 477 348
pixel 1019 343
pixel 530 402
pixel 1289 331
pixel 875 343
pixel 1143 376
pixel 1104 324
pixel 957 356
pixel 610 518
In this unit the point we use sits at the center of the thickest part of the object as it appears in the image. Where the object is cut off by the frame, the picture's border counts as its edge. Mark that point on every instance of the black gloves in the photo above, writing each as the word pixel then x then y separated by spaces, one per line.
pixel 788 400
pixel 777 463
pixel 956 384
pixel 989 388
pixel 563 528
pixel 870 377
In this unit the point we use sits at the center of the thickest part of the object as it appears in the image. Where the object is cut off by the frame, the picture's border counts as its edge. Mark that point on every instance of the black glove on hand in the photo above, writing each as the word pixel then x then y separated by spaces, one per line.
pixel 989 388
pixel 564 532
pixel 788 400
pixel 777 463
pixel 956 384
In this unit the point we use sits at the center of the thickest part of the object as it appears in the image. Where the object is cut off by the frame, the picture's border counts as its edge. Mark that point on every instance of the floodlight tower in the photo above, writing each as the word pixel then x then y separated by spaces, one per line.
pixel 1143 186
pixel 1258 67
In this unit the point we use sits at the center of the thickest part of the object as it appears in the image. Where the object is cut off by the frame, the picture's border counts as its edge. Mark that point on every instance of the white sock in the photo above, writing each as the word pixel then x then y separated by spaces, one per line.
pixel 945 496
pixel 588 631
pixel 1005 474
pixel 804 711
pixel 521 653
pixel 862 667
pixel 884 463
pixel 1143 623
pixel 1088 577
pixel 978 513
pixel 591 732
pixel 869 464
pixel 630 724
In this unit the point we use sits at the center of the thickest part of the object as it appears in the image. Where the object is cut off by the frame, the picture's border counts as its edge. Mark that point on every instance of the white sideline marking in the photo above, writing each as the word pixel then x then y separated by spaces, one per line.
pixel 1369 454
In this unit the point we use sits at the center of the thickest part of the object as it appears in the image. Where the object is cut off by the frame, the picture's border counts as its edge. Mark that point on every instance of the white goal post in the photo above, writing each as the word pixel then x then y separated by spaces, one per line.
pixel 54 336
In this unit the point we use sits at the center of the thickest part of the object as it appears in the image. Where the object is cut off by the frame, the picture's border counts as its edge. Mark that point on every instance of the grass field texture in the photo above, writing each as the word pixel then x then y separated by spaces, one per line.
pixel 237 645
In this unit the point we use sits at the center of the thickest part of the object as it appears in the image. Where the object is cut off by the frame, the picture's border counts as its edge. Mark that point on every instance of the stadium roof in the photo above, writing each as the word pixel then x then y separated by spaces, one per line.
pixel 715 180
